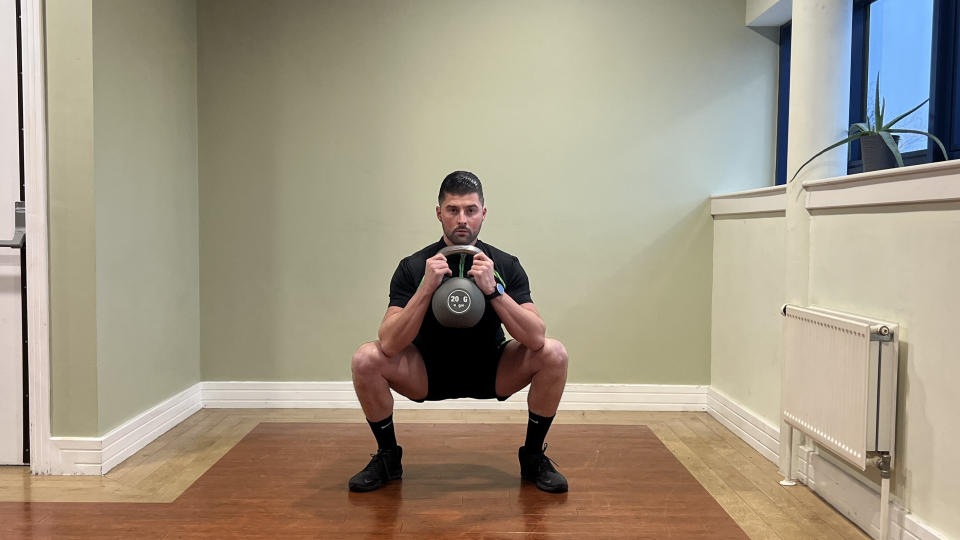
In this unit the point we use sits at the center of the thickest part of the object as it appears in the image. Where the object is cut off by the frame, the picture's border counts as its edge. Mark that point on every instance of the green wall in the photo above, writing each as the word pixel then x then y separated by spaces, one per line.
pixel 145 133
pixel 72 223
pixel 124 268
pixel 232 187
pixel 599 130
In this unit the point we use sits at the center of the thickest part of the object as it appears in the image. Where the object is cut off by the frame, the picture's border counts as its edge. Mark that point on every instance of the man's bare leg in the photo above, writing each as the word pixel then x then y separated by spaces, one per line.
pixel 374 374
pixel 545 370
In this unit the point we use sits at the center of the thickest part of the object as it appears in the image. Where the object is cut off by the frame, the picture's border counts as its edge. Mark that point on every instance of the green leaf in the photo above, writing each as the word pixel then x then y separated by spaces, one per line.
pixel 861 127
pixel 850 138
pixel 918 132
pixel 902 116
pixel 877 116
pixel 883 111
pixel 892 145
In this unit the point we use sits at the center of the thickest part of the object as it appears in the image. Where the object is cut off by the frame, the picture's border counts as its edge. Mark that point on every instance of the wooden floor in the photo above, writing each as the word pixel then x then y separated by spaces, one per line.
pixel 740 480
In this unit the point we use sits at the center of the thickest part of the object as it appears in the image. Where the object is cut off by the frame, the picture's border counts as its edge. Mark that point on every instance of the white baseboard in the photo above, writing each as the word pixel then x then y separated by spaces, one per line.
pixel 340 394
pixel 97 455
pixel 859 502
pixel 279 395
pixel 758 433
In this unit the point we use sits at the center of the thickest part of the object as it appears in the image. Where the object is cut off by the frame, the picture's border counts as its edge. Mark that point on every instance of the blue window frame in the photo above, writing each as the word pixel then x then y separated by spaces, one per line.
pixel 945 79
pixel 783 104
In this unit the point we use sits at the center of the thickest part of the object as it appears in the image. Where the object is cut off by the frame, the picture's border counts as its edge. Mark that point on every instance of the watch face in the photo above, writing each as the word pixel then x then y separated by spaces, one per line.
pixel 500 288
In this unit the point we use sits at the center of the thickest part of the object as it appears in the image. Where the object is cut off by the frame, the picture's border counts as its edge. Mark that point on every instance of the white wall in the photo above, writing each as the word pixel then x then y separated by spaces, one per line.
pixel 900 263
pixel 748 289
pixel 894 262
pixel 768 12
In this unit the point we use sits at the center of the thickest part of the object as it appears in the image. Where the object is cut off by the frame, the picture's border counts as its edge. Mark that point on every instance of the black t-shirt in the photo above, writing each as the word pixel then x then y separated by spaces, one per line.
pixel 409 274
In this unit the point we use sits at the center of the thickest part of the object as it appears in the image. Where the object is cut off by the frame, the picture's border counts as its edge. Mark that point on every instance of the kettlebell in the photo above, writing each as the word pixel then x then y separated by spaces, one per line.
pixel 458 302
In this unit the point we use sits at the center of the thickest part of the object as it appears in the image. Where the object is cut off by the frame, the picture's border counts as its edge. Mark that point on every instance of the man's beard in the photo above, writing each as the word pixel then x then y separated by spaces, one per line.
pixel 460 239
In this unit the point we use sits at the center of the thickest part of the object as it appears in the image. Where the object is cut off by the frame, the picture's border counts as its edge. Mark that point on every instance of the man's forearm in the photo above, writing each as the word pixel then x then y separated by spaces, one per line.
pixel 524 325
pixel 398 330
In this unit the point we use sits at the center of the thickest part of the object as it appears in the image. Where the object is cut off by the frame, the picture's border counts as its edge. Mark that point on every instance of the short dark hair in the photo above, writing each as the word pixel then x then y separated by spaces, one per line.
pixel 460 183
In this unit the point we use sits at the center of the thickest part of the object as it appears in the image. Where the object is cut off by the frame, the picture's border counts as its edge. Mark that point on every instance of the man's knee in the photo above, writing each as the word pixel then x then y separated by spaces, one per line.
pixel 554 355
pixel 367 360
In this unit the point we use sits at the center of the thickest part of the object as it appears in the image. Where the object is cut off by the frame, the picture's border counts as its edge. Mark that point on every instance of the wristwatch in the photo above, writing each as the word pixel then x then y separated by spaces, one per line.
pixel 497 291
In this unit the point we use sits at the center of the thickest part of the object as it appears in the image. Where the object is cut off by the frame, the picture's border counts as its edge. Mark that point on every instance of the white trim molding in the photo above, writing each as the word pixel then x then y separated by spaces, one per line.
pixel 755 201
pixel 758 433
pixel 340 394
pixel 860 502
pixel 831 480
pixel 927 183
pixel 97 455
pixel 43 453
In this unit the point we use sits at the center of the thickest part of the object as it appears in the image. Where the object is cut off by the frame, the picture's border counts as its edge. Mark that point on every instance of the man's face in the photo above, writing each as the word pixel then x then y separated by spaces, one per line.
pixel 461 217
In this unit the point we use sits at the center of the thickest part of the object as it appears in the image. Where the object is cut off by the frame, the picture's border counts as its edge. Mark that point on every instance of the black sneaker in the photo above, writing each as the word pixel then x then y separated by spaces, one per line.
pixel 384 466
pixel 538 468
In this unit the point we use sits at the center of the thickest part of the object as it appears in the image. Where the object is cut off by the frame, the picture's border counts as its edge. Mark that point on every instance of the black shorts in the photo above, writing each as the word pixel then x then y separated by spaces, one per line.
pixel 469 371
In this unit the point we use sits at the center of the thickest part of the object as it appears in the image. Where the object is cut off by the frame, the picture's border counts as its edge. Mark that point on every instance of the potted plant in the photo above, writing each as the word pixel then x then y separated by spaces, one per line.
pixel 877 140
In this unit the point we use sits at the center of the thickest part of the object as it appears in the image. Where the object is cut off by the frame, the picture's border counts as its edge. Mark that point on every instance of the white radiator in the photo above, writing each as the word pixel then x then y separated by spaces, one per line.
pixel 840 381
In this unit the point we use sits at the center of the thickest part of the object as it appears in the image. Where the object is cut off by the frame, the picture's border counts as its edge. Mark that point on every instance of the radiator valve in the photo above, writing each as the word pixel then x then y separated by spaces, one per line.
pixel 883 463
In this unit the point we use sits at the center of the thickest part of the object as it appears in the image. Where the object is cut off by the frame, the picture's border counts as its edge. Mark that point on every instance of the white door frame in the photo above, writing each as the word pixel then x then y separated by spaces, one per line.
pixel 43 452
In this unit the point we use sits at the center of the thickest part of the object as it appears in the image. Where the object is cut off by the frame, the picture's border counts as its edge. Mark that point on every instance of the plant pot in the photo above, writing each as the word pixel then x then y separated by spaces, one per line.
pixel 876 154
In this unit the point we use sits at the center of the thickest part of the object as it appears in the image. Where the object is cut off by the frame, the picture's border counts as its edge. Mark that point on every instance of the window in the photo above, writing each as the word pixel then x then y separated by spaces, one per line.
pixel 898 54
pixel 910 45
pixel 914 47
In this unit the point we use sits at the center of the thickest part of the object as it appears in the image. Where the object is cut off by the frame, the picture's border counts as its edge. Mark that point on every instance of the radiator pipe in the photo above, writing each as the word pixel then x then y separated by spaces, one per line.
pixel 788 466
pixel 885 507
pixel 883 463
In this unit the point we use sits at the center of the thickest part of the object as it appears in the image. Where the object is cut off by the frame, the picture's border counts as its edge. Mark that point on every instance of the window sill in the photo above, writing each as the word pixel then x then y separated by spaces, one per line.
pixel 755 201
pixel 926 183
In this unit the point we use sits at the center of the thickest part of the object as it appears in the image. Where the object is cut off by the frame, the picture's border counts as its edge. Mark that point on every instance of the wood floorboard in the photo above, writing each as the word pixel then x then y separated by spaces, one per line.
pixel 817 519
pixel 141 470
pixel 289 479
pixel 786 527
pixel 739 509
pixel 737 478
pixel 810 525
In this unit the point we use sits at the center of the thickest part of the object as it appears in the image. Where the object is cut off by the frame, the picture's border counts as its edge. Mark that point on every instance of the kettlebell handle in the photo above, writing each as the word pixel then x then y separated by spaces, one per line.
pixel 453 250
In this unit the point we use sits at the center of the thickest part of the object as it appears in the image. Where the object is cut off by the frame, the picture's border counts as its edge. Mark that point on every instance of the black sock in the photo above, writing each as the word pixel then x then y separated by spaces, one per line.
pixel 537 427
pixel 383 431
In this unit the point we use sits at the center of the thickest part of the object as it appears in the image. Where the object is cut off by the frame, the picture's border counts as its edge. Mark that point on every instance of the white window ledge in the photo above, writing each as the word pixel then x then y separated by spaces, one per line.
pixel 927 183
pixel 755 201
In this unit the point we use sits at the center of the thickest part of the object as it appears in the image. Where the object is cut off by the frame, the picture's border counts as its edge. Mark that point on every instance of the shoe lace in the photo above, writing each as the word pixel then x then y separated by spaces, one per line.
pixel 375 461
pixel 547 460
pixel 379 461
